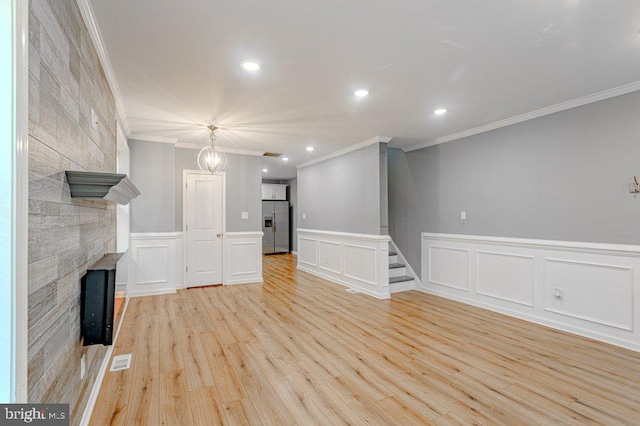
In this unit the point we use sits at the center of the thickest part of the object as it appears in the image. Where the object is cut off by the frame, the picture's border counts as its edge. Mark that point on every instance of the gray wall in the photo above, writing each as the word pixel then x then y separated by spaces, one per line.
pixel 151 166
pixel 66 235
pixel 156 169
pixel 342 194
pixel 564 176
pixel 292 196
pixel 244 193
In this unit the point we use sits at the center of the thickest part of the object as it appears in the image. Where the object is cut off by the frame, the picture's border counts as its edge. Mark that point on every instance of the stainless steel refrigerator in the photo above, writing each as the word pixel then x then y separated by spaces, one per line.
pixel 275 226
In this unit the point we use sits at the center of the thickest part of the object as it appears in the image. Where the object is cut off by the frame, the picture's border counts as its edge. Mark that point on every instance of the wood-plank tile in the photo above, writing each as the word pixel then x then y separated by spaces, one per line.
pixel 299 350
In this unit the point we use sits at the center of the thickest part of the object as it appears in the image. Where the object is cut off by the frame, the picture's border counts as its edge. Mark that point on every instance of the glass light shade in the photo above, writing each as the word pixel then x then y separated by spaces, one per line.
pixel 211 160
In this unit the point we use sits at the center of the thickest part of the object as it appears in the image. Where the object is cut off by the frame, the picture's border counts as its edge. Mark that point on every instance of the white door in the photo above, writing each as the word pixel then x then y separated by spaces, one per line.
pixel 204 229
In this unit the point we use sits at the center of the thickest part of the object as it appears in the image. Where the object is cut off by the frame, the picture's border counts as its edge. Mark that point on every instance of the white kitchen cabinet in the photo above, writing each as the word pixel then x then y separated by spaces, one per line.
pixel 272 191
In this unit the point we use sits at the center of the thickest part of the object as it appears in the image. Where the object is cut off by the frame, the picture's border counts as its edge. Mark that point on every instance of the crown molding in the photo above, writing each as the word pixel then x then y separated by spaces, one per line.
pixel 187 145
pixel 354 147
pixel 153 138
pixel 89 19
pixel 595 97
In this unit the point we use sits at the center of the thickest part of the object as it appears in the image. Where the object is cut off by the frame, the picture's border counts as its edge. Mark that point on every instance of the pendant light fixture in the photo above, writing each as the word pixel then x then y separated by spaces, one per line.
pixel 210 159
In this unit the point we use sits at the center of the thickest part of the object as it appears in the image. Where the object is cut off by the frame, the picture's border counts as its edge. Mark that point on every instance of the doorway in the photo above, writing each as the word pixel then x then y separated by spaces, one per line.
pixel 204 226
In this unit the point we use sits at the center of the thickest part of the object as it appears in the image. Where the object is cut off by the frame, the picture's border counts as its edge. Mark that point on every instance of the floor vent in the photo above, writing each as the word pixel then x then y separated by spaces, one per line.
pixel 121 362
pixel 352 290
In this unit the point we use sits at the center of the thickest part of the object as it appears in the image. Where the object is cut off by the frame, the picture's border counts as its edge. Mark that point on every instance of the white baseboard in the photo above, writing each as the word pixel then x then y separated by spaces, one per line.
pixel 97 384
pixel 380 296
pixel 359 261
pixel 589 289
pixel 295 253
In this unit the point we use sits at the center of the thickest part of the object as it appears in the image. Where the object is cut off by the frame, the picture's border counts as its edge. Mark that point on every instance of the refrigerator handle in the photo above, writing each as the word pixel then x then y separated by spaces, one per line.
pixel 273 229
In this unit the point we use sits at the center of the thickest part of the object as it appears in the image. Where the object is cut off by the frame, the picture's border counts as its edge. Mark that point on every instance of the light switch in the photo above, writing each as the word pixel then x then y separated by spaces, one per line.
pixel 463 215
pixel 304 215
pixel 245 215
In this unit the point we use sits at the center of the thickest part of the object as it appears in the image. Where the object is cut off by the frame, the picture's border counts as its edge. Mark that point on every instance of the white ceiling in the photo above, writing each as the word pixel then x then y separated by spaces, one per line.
pixel 178 65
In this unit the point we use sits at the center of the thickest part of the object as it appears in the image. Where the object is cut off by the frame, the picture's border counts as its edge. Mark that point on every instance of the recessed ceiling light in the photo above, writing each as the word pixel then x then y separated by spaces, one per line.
pixel 250 65
pixel 285 158
pixel 265 170
pixel 361 93
pixel 439 111
pixel 310 148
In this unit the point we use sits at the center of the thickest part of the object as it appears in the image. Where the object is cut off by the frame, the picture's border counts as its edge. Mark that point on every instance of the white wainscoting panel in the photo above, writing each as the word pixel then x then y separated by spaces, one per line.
pixel 308 251
pixel 358 261
pixel 449 267
pixel 588 289
pixel 329 256
pixel 242 258
pixel 506 276
pixel 155 263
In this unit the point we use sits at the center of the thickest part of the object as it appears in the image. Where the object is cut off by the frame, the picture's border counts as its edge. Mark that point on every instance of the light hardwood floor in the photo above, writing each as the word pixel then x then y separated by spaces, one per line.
pixel 301 350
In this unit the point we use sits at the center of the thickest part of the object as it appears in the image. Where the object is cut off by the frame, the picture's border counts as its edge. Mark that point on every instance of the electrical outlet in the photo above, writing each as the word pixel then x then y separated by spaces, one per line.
pixel 558 293
pixel 83 366
pixel 304 216
pixel 463 215
pixel 94 119
pixel 245 215
pixel 326 260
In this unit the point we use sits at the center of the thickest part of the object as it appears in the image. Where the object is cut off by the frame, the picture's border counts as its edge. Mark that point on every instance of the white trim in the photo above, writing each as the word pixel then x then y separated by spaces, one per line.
pixel 19 375
pixel 295 253
pixel 354 147
pixel 349 235
pixel 89 19
pixel 97 384
pixel 596 248
pixel 153 138
pixel 228 150
pixel 574 103
pixel 185 172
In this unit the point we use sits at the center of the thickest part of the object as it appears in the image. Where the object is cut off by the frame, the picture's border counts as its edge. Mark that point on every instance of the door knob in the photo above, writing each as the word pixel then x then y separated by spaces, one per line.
pixel 218 235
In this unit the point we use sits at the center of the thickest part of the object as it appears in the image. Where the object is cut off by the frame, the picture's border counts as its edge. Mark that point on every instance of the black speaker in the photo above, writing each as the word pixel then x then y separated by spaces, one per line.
pixel 97 301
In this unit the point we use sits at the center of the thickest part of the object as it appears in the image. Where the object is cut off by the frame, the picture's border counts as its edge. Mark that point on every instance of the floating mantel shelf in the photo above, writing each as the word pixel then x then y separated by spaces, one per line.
pixel 113 187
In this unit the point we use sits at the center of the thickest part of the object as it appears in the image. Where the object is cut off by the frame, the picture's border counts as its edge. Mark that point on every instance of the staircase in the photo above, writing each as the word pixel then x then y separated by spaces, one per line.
pixel 400 277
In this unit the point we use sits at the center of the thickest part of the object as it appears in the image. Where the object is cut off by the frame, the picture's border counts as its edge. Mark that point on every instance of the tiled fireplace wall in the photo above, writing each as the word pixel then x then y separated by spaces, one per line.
pixel 65 235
